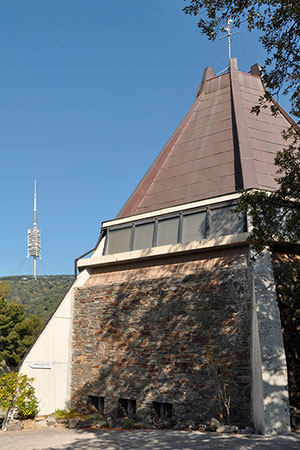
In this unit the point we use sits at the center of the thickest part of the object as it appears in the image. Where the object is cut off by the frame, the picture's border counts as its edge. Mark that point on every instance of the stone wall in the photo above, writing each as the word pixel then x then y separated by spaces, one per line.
pixel 166 331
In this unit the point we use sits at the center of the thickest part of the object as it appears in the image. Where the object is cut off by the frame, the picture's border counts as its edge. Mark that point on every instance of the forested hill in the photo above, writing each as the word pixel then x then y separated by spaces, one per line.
pixel 40 296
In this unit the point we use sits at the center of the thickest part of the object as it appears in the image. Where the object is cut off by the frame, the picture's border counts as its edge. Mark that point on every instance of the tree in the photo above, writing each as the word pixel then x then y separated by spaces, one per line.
pixel 278 22
pixel 275 216
pixel 17 332
pixel 17 397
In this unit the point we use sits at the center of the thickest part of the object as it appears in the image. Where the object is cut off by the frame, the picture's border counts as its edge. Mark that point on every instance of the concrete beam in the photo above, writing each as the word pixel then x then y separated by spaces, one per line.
pixel 269 371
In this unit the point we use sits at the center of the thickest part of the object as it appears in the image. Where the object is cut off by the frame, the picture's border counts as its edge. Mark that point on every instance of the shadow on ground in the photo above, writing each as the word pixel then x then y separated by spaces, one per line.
pixel 173 440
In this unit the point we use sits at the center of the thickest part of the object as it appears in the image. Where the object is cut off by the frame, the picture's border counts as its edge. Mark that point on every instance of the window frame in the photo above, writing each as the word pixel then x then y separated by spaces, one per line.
pixel 180 215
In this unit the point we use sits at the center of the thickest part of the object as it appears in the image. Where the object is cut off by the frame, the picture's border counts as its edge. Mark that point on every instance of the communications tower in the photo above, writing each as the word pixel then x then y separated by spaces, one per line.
pixel 34 238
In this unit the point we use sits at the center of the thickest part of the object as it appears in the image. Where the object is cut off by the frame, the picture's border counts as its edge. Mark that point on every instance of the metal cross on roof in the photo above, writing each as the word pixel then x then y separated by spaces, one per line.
pixel 229 34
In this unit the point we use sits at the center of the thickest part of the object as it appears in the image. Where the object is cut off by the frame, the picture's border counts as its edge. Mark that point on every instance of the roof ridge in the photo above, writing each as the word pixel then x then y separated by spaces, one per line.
pixel 218 148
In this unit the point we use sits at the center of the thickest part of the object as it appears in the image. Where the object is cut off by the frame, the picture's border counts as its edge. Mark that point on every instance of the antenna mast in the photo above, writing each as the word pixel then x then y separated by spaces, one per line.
pixel 34 238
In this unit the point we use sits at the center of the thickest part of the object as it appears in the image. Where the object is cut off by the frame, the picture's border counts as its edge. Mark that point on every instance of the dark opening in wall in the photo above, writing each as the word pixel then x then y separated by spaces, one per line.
pixel 162 411
pixel 98 402
pixel 126 408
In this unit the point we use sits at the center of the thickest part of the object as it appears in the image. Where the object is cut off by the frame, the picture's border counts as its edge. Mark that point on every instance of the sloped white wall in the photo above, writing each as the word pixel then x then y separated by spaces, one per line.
pixel 53 350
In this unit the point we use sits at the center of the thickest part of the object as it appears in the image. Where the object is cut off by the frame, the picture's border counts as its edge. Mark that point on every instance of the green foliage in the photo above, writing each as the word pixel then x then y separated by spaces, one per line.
pixel 16 391
pixel 275 216
pixel 3 367
pixel 278 22
pixel 41 296
pixel 4 290
pixel 17 332
pixel 128 424
pixel 65 414
pixel 25 305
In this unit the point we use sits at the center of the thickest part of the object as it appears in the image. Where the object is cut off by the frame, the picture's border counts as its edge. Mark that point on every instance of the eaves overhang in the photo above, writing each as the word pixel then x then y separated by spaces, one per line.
pixel 173 209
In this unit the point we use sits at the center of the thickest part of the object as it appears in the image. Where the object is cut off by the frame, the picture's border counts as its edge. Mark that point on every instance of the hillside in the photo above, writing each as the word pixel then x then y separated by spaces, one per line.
pixel 39 296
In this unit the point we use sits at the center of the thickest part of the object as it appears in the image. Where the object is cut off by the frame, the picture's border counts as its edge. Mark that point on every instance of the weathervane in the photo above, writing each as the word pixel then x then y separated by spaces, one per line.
pixel 229 34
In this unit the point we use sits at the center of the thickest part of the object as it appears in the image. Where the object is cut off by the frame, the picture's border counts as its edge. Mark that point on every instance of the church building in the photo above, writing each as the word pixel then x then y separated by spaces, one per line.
pixel 171 308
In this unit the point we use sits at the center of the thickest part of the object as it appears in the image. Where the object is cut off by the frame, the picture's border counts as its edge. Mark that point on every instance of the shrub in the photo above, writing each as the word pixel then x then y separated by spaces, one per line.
pixel 17 393
pixel 65 414
pixel 128 424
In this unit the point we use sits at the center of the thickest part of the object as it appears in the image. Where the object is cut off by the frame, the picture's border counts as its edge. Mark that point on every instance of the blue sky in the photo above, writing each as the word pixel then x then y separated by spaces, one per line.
pixel 91 90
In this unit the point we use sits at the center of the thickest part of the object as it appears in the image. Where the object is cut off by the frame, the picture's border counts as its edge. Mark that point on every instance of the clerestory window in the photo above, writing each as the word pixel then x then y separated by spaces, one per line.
pixel 179 228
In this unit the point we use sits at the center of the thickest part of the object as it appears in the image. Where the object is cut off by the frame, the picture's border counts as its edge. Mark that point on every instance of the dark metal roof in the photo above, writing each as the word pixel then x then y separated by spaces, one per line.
pixel 219 148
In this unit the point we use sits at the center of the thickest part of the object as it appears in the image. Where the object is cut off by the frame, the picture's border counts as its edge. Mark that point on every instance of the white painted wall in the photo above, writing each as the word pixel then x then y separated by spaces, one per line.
pixel 52 385
pixel 100 248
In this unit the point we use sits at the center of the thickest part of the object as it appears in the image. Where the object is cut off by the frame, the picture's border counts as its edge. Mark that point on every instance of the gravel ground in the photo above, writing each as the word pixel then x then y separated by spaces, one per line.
pixel 65 439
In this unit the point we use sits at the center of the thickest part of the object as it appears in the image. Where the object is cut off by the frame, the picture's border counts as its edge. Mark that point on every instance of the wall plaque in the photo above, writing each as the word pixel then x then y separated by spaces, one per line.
pixel 40 365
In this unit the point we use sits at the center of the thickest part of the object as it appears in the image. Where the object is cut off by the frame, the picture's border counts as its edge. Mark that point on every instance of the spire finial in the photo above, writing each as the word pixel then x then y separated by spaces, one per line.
pixel 229 34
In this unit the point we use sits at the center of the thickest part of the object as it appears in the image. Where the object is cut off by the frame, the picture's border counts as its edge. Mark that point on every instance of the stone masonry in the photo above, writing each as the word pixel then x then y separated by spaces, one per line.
pixel 166 331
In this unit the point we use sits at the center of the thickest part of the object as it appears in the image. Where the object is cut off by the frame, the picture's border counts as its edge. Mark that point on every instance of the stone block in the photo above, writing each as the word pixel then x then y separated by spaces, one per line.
pixel 41 424
pixel 227 429
pixel 14 425
pixel 51 421
pixel 73 422
pixel 29 424
pixel 60 425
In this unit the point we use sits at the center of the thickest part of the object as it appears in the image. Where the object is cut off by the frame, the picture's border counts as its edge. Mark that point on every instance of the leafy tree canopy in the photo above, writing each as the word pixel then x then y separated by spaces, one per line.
pixel 17 332
pixel 17 396
pixel 275 216
pixel 278 22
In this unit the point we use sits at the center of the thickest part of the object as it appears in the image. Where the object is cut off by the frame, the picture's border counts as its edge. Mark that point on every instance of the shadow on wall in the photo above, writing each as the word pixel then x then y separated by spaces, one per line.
pixel 148 339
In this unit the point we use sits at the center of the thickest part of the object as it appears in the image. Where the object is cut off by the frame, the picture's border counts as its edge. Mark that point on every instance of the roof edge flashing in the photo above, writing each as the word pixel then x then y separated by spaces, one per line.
pixel 171 209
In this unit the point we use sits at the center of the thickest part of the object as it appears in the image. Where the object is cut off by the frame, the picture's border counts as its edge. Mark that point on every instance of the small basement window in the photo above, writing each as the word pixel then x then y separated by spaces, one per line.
pixel 162 410
pixel 98 402
pixel 126 408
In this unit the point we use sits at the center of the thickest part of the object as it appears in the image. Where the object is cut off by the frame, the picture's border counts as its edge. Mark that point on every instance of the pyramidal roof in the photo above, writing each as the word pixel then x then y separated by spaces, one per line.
pixel 219 148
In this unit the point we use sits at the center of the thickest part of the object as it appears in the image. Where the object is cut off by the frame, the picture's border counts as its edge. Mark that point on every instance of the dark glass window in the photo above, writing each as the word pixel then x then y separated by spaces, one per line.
pixel 193 227
pixel 143 236
pixel 98 402
pixel 162 410
pixel 167 231
pixel 223 222
pixel 119 240
pixel 126 408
